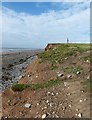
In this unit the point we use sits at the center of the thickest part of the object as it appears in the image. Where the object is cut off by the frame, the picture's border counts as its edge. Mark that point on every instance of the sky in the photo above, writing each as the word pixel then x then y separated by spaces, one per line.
pixel 35 24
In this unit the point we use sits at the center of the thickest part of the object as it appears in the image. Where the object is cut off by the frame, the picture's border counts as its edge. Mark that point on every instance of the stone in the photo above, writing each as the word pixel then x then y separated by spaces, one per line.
pixel 47 101
pixel 44 116
pixel 61 75
pixel 48 92
pixel 78 72
pixel 36 76
pixel 52 94
pixel 28 105
pixel 37 104
pixel 77 109
pixel 70 106
pixel 80 115
pixel 87 61
pixel 69 76
pixel 80 100
pixel 56 93
pixel 88 77
pixel 29 75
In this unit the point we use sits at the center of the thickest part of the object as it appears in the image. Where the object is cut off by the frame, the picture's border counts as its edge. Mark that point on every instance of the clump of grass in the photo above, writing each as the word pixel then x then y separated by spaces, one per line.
pixel 21 87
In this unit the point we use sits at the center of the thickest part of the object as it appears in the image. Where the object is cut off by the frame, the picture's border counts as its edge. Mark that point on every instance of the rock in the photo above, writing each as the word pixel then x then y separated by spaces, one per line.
pixel 48 92
pixel 80 100
pixel 70 106
pixel 37 104
pixel 69 76
pixel 47 101
pixel 77 109
pixel 56 93
pixel 44 116
pixel 88 77
pixel 66 58
pixel 36 76
pixel 82 91
pixel 61 75
pixel 87 61
pixel 52 94
pixel 80 115
pixel 78 72
pixel 29 75
pixel 28 105
pixel 69 94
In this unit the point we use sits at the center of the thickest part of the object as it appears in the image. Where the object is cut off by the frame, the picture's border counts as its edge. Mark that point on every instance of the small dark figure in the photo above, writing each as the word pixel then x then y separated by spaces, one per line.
pixel 67 40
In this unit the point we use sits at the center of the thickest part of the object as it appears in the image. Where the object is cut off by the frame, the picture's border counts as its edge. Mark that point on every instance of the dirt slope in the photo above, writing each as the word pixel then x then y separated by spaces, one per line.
pixel 68 98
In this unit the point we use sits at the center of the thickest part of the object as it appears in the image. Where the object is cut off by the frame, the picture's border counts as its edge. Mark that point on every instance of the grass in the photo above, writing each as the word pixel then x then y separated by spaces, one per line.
pixel 88 85
pixel 58 54
pixel 72 69
pixel 21 87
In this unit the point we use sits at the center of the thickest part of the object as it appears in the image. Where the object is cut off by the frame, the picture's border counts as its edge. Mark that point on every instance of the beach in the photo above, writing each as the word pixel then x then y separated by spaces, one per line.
pixel 13 66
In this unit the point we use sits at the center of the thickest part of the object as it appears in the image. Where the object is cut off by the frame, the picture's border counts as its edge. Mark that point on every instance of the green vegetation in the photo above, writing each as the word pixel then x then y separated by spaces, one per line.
pixel 88 85
pixel 57 55
pixel 21 87
pixel 72 69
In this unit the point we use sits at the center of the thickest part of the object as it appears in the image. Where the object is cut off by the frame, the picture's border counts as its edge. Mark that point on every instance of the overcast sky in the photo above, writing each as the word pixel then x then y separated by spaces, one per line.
pixel 35 24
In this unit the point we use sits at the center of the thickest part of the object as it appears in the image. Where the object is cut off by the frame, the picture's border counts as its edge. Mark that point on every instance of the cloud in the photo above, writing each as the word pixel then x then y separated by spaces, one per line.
pixel 46 0
pixel 35 31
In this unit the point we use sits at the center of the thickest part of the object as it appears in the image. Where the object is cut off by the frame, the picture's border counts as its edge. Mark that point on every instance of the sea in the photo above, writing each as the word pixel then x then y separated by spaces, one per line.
pixel 10 50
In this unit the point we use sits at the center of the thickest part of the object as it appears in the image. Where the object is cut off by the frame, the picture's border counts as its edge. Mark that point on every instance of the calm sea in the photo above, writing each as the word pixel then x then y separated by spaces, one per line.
pixel 14 49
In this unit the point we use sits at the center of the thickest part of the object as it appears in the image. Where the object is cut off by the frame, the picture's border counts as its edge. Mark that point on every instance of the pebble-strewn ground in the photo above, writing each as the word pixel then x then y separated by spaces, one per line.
pixel 70 98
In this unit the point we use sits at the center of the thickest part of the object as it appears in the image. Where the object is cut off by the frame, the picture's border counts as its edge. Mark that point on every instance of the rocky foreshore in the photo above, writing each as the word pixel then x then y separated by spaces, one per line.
pixel 14 65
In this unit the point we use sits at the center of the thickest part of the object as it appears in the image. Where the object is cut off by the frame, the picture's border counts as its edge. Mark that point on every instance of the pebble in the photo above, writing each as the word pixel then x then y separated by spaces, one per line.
pixel 28 105
pixel 36 76
pixel 37 104
pixel 48 92
pixel 80 100
pixel 69 76
pixel 70 106
pixel 87 61
pixel 77 109
pixel 78 72
pixel 80 115
pixel 29 75
pixel 88 78
pixel 44 116
pixel 60 75
pixel 47 101
pixel 56 93
pixel 52 94
pixel 69 94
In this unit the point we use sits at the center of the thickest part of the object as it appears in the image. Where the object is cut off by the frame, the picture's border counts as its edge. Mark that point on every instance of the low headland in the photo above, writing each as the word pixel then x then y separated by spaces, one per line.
pixel 55 83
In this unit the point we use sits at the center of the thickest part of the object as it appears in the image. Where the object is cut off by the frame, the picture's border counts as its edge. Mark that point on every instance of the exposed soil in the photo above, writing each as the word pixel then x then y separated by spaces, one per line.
pixel 68 99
